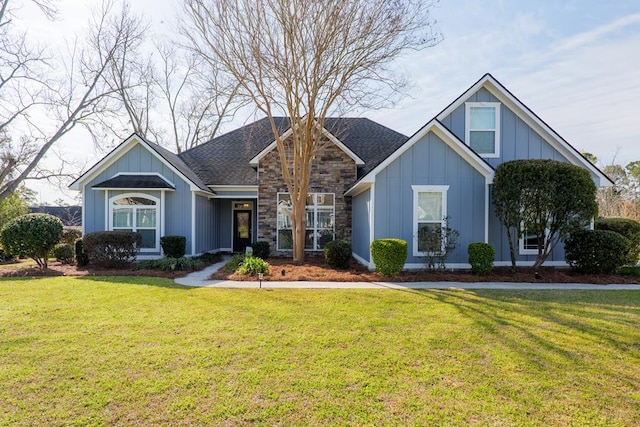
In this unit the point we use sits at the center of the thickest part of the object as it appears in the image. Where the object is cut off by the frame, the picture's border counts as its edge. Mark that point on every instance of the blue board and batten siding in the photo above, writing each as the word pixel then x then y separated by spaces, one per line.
pixel 517 141
pixel 430 161
pixel 361 227
pixel 177 204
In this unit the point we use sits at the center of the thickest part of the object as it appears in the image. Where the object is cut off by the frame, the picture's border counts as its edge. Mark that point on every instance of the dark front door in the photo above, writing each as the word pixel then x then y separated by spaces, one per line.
pixel 241 230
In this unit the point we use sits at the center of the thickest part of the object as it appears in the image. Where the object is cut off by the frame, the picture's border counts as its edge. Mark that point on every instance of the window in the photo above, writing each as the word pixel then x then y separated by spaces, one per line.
pixel 429 213
pixel 137 213
pixel 529 243
pixel 483 127
pixel 320 214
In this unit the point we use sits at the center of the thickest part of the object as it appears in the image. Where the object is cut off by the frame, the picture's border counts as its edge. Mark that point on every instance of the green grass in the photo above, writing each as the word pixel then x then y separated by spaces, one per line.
pixel 141 351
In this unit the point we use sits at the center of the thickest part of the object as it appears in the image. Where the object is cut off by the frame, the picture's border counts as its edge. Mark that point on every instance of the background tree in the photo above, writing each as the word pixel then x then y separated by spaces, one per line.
pixel 543 198
pixel 304 59
pixel 46 94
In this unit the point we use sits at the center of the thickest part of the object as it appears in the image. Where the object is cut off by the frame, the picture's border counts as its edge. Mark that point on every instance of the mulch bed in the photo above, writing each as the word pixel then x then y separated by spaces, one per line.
pixel 315 269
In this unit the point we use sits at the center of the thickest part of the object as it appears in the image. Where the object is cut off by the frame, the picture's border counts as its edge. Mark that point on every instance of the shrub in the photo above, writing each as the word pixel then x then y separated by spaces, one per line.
pixel 481 257
pixel 112 249
pixel 438 243
pixel 261 249
pixel 389 255
pixel 71 234
pixel 81 256
pixel 169 264
pixel 337 253
pixel 32 235
pixel 596 251
pixel 64 253
pixel 234 263
pixel 626 227
pixel 174 246
pixel 252 265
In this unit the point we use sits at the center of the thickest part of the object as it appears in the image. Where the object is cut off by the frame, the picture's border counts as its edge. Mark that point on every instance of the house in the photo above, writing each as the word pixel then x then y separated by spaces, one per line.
pixel 369 182
pixel 70 216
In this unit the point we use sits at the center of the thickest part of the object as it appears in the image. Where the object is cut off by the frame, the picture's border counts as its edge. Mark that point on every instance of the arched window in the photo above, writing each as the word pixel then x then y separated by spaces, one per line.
pixel 136 212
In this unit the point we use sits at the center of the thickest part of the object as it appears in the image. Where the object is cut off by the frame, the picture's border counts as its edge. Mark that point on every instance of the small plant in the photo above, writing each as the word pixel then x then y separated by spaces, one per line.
pixel 389 255
pixel 261 249
pixel 234 263
pixel 112 249
pixel 437 243
pixel 252 266
pixel 174 246
pixel 169 264
pixel 337 253
pixel 32 235
pixel 596 251
pixel 64 253
pixel 481 257
pixel 81 256
pixel 71 234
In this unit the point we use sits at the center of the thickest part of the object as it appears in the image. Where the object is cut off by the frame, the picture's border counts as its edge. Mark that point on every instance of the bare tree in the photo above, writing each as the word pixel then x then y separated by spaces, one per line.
pixel 38 110
pixel 304 59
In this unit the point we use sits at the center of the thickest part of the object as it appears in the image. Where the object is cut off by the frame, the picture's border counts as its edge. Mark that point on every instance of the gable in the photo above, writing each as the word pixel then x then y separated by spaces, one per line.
pixel 136 156
pixel 522 134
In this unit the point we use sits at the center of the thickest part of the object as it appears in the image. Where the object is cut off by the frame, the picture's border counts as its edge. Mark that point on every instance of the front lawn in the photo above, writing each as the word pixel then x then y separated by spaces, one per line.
pixel 143 351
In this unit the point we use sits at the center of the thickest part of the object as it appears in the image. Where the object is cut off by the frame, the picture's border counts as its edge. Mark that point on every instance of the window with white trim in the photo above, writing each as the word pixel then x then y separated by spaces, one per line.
pixel 528 243
pixel 136 212
pixel 429 214
pixel 482 127
pixel 320 214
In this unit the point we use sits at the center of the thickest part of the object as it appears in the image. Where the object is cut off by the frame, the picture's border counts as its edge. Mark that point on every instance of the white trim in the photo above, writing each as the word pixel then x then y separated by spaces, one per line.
pixel 417 189
pixel 132 188
pixel 162 221
pixel 447 137
pixel 530 264
pixel 447 266
pixel 358 161
pixel 486 212
pixel 84 210
pixel 233 187
pixel 193 223
pixel 526 115
pixel 364 262
pixel 372 216
pixel 107 212
pixel 496 130
pixel 157 208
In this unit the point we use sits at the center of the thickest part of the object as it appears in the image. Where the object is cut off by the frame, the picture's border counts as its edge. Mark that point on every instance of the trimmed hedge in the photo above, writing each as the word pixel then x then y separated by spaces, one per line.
pixel 389 255
pixel 337 253
pixel 112 249
pixel 64 253
pixel 81 256
pixel 481 257
pixel 626 227
pixel 596 251
pixel 261 249
pixel 174 246
pixel 32 235
pixel 170 264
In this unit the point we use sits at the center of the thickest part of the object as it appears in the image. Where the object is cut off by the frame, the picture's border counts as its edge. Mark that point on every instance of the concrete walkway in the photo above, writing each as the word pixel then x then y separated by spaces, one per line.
pixel 200 279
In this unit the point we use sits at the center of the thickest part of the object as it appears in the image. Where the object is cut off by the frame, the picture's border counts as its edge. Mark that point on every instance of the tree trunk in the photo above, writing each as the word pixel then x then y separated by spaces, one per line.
pixel 512 249
pixel 298 225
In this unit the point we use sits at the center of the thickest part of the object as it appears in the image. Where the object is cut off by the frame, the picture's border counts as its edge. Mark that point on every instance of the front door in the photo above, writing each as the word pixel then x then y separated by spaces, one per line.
pixel 241 230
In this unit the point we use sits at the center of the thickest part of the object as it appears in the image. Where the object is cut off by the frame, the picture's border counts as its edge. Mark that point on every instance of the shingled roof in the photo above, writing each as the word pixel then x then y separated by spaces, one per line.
pixel 225 160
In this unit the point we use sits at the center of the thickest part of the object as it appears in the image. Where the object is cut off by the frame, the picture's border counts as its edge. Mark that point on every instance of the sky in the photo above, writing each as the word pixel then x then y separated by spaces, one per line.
pixel 575 63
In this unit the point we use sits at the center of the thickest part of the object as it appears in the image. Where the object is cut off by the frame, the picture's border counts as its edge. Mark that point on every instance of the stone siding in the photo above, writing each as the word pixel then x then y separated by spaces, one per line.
pixel 333 172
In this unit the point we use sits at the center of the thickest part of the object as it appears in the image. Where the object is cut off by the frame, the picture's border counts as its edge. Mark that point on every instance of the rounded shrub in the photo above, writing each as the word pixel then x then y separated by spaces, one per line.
pixel 337 253
pixel 481 257
pixel 252 266
pixel 596 251
pixel 81 256
pixel 261 249
pixel 32 235
pixel 626 227
pixel 389 255
pixel 112 249
pixel 64 253
pixel 174 246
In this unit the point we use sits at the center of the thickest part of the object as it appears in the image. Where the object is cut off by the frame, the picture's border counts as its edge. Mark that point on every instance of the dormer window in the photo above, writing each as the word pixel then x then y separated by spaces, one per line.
pixel 482 126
